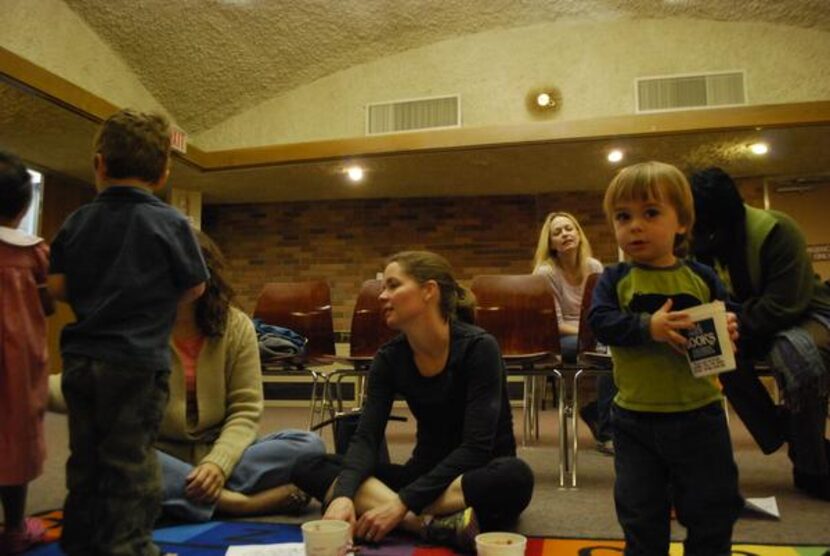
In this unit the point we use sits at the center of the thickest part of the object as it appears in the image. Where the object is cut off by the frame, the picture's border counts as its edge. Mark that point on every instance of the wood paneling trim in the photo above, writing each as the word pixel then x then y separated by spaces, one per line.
pixel 691 121
pixel 54 88
pixel 57 89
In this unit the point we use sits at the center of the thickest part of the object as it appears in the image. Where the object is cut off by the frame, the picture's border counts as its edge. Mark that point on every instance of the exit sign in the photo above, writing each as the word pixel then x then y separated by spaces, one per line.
pixel 178 139
pixel 819 252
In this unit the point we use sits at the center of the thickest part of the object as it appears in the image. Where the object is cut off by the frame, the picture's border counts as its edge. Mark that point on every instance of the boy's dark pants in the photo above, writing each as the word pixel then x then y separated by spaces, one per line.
pixel 112 475
pixel 683 459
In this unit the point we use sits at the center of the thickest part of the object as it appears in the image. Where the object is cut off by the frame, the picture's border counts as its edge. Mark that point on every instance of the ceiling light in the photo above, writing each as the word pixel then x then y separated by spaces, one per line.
pixel 759 148
pixel 355 173
pixel 543 99
pixel 615 156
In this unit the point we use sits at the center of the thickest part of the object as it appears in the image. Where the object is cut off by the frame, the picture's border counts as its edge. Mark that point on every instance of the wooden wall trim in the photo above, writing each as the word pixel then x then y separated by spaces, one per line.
pixel 635 125
pixel 38 80
pixel 41 82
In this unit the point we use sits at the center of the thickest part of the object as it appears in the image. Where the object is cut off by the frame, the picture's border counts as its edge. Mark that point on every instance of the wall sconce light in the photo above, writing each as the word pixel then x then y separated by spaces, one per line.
pixel 759 148
pixel 543 101
pixel 355 173
pixel 615 156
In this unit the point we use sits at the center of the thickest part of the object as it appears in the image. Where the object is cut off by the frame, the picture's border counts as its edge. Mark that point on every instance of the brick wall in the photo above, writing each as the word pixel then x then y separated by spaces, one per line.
pixel 346 242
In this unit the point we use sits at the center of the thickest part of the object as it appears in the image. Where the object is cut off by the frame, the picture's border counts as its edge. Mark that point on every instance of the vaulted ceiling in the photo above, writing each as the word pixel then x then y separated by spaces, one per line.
pixel 206 60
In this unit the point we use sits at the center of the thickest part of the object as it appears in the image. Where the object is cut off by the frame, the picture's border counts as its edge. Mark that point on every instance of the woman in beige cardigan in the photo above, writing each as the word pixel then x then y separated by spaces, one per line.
pixel 210 458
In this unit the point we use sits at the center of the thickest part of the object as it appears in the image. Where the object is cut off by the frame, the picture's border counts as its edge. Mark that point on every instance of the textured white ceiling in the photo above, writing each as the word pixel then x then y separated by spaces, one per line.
pixel 206 60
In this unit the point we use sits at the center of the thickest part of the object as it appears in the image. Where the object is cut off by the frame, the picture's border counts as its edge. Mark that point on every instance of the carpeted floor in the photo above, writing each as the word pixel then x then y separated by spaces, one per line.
pixel 214 538
pixel 586 512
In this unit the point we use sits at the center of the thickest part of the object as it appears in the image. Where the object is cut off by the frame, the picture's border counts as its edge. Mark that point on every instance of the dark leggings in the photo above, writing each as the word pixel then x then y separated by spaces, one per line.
pixel 498 492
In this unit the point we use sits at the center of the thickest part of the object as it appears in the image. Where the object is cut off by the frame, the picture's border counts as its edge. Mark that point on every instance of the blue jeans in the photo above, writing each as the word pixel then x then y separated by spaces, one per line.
pixel 683 459
pixel 264 465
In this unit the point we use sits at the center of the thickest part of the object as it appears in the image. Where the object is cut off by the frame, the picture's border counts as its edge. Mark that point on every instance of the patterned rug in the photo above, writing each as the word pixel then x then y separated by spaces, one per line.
pixel 213 539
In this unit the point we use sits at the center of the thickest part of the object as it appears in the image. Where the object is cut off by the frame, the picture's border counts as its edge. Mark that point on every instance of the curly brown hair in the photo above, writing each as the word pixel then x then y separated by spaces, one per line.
pixel 134 145
pixel 212 307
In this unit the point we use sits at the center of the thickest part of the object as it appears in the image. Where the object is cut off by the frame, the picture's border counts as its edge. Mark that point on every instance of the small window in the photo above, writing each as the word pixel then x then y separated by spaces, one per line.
pixel 31 222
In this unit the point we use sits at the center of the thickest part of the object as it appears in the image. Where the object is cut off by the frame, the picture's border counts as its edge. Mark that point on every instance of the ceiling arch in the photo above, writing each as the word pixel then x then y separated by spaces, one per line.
pixel 269 47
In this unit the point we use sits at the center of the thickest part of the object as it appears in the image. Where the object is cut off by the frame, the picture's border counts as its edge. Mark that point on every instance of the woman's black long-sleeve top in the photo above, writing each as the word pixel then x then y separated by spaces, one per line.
pixel 463 414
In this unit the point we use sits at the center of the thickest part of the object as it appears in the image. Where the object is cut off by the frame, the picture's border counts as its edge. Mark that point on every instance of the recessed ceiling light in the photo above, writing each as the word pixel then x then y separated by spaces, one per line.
pixel 615 156
pixel 355 173
pixel 543 99
pixel 759 148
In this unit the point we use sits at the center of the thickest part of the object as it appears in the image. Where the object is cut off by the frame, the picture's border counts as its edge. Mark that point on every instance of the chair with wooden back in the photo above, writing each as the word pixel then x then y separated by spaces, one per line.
pixel 305 308
pixel 520 312
pixel 589 361
pixel 368 332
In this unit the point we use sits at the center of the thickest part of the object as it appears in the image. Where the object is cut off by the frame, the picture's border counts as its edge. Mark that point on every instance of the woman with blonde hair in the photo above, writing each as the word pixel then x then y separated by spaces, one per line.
pixel 563 255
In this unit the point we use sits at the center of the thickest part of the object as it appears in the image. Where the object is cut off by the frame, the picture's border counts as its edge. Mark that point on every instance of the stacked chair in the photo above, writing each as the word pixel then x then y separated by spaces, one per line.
pixel 368 332
pixel 520 312
pixel 304 307
pixel 589 361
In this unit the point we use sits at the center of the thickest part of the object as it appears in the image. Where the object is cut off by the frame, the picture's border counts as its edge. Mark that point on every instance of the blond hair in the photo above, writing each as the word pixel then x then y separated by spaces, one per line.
pixel 455 301
pixel 546 255
pixel 654 181
pixel 134 145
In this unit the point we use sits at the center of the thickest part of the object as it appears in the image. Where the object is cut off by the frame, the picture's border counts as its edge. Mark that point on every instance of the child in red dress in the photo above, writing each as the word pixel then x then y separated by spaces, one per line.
pixel 23 356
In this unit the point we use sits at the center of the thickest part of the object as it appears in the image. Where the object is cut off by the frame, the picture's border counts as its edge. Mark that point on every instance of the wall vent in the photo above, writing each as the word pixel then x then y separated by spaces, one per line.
pixel 687 91
pixel 413 115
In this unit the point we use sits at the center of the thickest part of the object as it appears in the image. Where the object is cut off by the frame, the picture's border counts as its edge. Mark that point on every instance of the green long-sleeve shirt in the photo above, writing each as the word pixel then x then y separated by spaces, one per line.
pixel 784 285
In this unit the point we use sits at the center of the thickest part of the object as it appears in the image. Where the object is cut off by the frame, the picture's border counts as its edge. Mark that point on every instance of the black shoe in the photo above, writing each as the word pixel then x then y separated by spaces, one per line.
pixel 817 486
pixel 588 413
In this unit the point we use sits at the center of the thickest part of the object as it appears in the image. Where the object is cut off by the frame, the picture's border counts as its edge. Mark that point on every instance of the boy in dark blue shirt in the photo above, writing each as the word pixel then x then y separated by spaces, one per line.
pixel 123 262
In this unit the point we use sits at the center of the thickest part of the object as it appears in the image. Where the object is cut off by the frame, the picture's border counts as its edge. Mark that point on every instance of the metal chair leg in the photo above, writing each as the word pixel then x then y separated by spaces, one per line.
pixel 539 391
pixel 563 433
pixel 312 401
pixel 575 424
pixel 527 409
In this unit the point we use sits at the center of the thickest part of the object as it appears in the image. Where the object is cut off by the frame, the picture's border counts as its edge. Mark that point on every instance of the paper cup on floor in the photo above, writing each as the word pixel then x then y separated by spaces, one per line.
pixel 709 349
pixel 327 537
pixel 500 544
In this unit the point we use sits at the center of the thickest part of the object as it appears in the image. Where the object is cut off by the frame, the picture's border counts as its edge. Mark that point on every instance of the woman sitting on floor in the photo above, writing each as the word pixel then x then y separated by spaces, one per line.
pixel 210 459
pixel 463 471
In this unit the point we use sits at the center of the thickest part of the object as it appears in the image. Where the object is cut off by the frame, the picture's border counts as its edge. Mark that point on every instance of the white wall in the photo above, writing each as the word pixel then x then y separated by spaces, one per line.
pixel 50 35
pixel 594 63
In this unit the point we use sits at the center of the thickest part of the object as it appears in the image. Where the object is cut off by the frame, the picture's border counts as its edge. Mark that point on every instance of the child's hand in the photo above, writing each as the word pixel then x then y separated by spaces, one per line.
pixel 732 326
pixel 664 326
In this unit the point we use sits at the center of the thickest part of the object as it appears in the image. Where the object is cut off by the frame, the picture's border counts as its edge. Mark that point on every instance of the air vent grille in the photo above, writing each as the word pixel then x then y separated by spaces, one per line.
pixel 413 115
pixel 682 92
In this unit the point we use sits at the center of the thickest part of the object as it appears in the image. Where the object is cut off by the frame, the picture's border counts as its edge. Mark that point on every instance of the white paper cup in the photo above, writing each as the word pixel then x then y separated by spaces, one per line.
pixel 709 349
pixel 497 543
pixel 327 537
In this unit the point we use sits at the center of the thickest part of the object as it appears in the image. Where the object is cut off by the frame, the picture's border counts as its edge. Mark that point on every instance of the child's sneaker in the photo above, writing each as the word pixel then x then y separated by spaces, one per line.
pixel 605 447
pixel 15 542
pixel 456 530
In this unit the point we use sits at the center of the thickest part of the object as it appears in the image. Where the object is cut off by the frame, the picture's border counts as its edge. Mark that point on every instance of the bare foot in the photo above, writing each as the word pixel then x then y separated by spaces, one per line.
pixel 284 499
